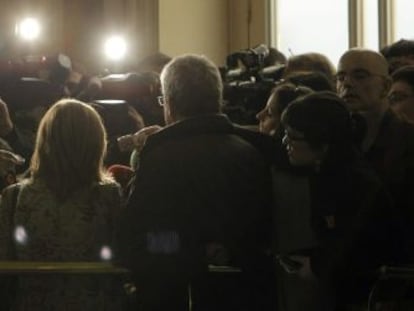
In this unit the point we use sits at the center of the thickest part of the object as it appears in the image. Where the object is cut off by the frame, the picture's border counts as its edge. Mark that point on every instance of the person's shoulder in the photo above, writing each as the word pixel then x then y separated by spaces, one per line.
pixel 398 133
pixel 405 132
pixel 266 144
pixel 108 190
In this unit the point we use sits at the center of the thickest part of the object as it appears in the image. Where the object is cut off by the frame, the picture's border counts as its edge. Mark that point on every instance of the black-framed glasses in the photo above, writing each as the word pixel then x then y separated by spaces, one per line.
pixel 292 137
pixel 399 97
pixel 161 101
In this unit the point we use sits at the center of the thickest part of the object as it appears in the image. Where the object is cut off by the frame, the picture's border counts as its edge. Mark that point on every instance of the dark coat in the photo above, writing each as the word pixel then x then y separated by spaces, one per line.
pixel 201 181
pixel 392 157
pixel 357 227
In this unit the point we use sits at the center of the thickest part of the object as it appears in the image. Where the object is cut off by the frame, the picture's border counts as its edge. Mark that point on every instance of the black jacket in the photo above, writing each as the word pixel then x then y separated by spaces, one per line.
pixel 201 181
pixel 357 226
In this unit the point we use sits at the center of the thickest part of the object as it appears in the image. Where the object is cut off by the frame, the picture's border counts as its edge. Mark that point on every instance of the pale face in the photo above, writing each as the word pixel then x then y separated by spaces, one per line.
pixel 362 81
pixel 299 151
pixel 269 117
pixel 402 99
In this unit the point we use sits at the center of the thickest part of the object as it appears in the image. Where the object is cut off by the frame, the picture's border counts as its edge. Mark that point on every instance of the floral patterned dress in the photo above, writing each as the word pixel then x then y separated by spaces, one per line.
pixel 39 228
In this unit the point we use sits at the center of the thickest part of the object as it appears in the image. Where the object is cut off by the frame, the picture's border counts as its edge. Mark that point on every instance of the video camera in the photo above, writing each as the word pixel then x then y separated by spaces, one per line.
pixel 248 82
pixel 251 60
pixel 33 80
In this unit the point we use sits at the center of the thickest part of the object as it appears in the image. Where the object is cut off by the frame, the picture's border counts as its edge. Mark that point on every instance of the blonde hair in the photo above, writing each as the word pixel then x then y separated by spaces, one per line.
pixel 70 148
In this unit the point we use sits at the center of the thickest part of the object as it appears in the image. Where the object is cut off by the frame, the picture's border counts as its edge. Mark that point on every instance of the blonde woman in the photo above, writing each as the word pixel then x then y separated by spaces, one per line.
pixel 64 212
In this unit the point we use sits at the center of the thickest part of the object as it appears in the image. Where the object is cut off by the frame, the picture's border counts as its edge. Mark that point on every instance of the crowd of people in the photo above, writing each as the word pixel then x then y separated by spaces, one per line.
pixel 303 207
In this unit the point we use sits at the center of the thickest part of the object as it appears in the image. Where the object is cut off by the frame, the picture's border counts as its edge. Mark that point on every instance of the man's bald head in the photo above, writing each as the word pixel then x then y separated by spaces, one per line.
pixel 363 80
pixel 376 61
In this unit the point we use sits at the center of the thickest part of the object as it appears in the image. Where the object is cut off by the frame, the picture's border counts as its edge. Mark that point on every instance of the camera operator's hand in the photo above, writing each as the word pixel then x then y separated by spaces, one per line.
pixel 6 124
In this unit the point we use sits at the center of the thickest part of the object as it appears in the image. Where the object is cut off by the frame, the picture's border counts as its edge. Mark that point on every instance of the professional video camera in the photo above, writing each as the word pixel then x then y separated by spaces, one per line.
pixel 248 81
pixel 33 80
pixel 138 89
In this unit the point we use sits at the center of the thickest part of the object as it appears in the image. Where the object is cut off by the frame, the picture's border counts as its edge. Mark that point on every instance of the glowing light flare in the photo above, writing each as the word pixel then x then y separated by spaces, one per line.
pixel 28 29
pixel 20 235
pixel 115 48
pixel 106 253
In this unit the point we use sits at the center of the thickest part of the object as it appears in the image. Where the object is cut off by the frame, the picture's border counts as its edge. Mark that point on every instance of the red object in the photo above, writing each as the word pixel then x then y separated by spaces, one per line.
pixel 121 173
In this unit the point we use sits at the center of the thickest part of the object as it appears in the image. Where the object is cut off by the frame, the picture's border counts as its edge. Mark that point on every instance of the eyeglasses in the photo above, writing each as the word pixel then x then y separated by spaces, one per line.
pixel 399 97
pixel 161 100
pixel 293 138
pixel 358 75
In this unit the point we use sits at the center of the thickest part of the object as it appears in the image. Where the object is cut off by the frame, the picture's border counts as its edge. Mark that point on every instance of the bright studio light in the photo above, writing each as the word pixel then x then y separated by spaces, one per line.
pixel 28 29
pixel 115 48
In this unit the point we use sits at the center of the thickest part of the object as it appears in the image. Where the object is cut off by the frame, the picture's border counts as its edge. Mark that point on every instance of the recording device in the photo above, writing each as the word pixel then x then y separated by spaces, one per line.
pixel 126 86
pixel 248 83
pixel 33 80
pixel 114 114
pixel 29 92
pixel 252 59
pixel 138 89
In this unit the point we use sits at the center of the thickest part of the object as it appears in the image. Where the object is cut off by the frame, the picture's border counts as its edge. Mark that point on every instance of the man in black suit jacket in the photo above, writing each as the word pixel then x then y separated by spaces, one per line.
pixel 201 195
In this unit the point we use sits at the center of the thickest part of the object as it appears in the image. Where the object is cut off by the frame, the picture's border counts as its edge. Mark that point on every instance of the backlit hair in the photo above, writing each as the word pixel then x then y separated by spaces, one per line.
pixel 323 119
pixel 70 148
pixel 405 74
pixel 192 85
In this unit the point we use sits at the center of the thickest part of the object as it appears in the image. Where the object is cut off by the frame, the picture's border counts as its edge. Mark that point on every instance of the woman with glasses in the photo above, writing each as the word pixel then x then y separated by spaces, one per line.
pixel 351 218
pixel 285 91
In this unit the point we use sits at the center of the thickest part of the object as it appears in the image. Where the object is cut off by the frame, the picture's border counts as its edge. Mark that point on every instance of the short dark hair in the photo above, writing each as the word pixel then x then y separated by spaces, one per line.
pixel 322 118
pixel 402 47
pixel 405 74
